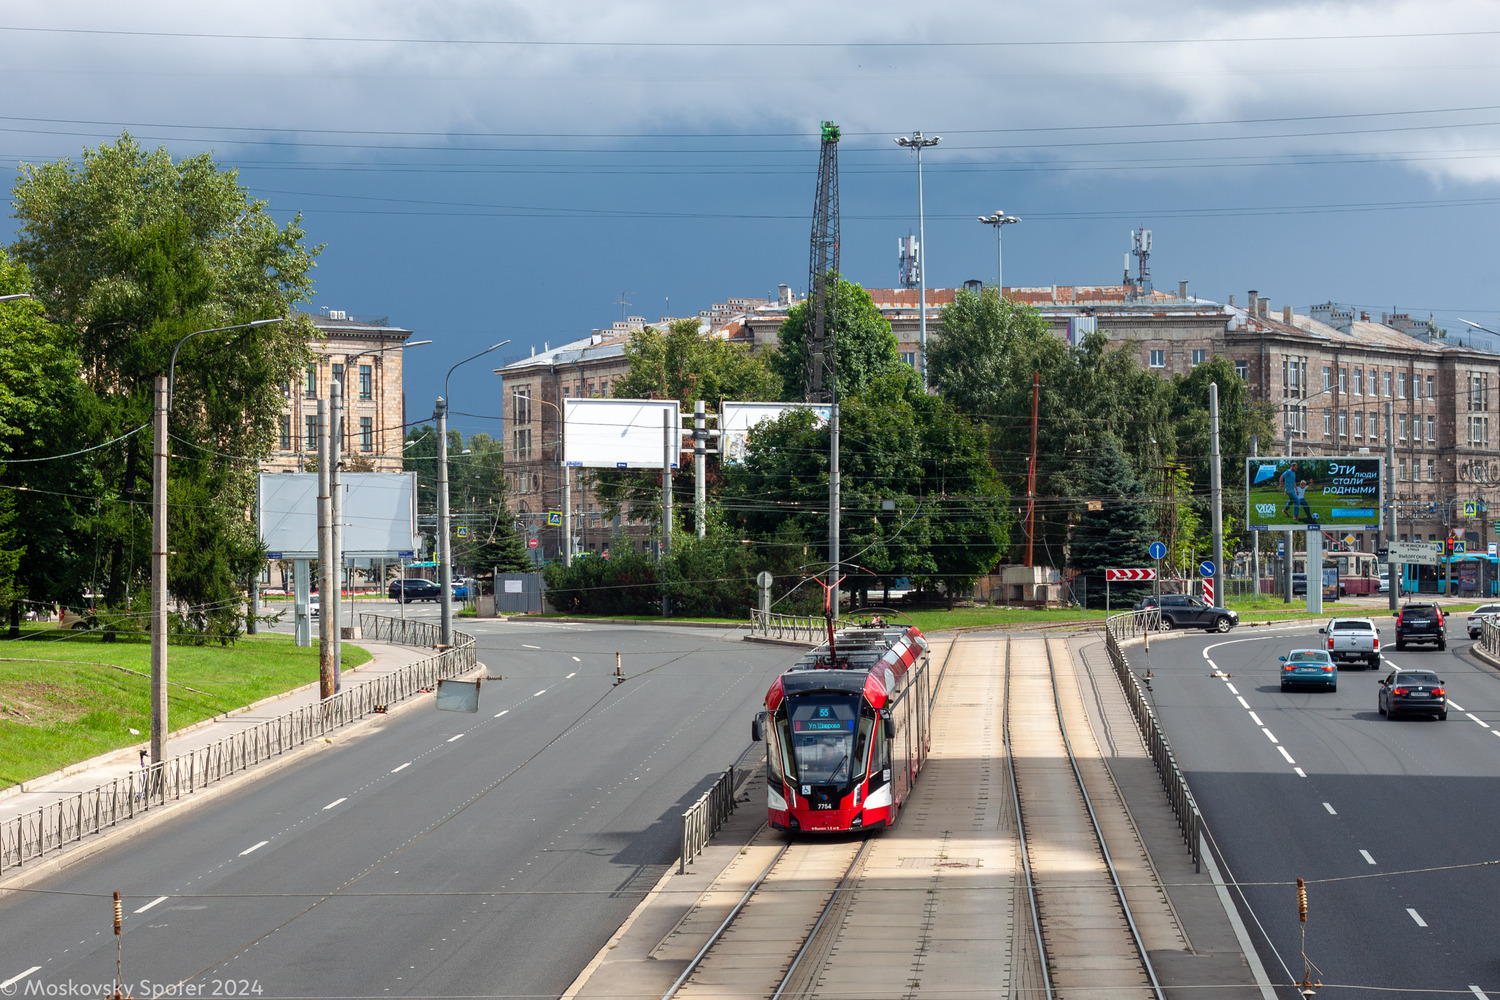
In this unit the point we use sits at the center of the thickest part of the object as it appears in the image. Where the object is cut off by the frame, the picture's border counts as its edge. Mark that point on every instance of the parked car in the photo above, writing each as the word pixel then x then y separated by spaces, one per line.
pixel 1385 581
pixel 1299 583
pixel 1421 622
pixel 414 589
pixel 1308 668
pixel 312 606
pixel 1419 691
pixel 1186 611
pixel 1478 615
pixel 1353 639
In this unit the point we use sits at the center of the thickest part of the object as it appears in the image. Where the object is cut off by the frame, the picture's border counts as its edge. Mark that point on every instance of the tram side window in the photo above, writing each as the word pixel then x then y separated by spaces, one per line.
pixel 862 743
pixel 781 744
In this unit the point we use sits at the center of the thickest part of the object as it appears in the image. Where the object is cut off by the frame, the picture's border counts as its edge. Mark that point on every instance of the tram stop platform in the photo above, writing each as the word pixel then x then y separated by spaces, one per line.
pixel 938 905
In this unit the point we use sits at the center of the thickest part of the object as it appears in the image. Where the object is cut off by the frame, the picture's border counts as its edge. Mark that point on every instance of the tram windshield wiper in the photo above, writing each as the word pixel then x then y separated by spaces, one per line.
pixel 838 767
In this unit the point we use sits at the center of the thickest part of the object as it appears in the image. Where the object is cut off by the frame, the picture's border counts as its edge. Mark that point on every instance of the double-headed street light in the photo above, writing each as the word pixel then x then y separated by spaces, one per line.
pixel 164 386
pixel 917 141
pixel 999 220
pixel 445 548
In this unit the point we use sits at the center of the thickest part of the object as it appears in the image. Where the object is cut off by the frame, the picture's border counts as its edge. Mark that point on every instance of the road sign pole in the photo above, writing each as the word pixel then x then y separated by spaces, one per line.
pixel 1216 487
pixel 1314 558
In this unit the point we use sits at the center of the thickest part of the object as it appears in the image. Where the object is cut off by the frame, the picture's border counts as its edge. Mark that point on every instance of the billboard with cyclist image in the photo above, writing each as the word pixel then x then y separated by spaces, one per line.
pixel 1293 494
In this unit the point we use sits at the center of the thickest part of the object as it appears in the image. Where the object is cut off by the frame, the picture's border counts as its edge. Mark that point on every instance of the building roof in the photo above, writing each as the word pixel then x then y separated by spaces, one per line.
pixel 337 323
pixel 595 347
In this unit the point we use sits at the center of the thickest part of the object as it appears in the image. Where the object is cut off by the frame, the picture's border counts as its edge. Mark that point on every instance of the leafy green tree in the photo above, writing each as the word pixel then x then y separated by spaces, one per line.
pixel 686 365
pixel 865 348
pixel 1124 523
pixel 131 252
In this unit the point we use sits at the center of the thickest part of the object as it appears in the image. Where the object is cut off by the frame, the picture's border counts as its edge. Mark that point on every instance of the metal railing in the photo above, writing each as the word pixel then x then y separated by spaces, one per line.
pixel 1489 636
pixel 810 629
pixel 1189 819
pixel 34 835
pixel 1134 624
pixel 704 817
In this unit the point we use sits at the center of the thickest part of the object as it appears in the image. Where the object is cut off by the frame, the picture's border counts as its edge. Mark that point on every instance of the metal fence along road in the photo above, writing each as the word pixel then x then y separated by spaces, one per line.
pixel 796 628
pixel 1189 819
pixel 1489 636
pixel 51 828
pixel 704 817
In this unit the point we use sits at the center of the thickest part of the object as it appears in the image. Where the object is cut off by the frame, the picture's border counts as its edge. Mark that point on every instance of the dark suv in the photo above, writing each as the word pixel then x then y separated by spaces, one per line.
pixel 1186 611
pixel 412 589
pixel 1421 623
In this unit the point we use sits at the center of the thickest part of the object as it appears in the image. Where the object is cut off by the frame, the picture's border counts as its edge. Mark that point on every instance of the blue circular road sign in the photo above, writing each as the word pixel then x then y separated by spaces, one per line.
pixel 1206 567
pixel 1158 550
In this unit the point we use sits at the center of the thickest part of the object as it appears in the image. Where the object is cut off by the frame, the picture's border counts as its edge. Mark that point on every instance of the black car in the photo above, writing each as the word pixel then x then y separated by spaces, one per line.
pixel 412 589
pixel 1186 611
pixel 1413 691
pixel 1421 623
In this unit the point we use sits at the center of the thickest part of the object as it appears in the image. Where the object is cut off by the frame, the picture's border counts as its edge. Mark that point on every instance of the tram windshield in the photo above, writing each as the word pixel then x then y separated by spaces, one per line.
pixel 823 731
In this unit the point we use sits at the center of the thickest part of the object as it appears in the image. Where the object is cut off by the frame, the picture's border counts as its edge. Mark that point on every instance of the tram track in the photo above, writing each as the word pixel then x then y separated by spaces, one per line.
pixel 1081 917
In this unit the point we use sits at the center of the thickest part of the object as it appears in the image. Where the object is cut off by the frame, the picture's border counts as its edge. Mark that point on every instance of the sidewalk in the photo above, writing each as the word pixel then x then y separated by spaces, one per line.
pixel 30 796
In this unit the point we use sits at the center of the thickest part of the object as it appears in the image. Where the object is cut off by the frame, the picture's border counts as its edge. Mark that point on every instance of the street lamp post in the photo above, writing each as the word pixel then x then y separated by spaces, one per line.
pixel 445 546
pixel 164 386
pixel 999 220
pixel 919 142
pixel 16 297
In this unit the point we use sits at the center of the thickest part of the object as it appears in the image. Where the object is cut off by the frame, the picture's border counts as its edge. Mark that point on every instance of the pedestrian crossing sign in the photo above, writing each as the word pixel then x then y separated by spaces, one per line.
pixel 554 518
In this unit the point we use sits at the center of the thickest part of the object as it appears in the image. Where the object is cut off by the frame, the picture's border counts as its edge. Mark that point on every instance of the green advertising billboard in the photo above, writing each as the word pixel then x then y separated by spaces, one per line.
pixel 1293 494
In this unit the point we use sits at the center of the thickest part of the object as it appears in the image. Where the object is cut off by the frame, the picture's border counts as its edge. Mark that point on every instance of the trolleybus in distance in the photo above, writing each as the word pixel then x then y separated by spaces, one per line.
pixel 847 728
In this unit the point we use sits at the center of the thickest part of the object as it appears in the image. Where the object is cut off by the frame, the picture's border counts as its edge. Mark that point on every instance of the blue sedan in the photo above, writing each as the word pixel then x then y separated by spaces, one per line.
pixel 1309 667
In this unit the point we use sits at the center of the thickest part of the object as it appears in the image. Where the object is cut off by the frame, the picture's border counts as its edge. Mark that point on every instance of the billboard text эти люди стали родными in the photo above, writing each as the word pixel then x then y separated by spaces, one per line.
pixel 1293 494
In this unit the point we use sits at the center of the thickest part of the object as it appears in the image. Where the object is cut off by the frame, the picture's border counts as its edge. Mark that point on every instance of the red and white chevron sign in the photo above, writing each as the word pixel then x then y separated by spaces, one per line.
pixel 1208 591
pixel 1113 575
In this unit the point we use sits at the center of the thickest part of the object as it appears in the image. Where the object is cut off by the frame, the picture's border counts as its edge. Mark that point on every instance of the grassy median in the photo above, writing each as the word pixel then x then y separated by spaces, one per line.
pixel 66 697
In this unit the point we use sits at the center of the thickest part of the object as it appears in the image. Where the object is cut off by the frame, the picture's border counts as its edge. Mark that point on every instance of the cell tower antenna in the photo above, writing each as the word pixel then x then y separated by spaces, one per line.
pixel 623 304
pixel 1140 240
pixel 824 261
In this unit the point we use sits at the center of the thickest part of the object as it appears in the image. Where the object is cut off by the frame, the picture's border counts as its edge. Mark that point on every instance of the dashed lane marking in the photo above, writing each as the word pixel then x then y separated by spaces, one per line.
pixel 526 646
pixel 458 737
pixel 1478 992
pixel 335 802
pixel 1255 718
pixel 1477 719
pixel 1269 735
pixel 1288 756
pixel 1233 690
pixel 1366 855
pixel 1455 705
pixel 1243 703
pixel 575 660
pixel 148 906
pixel 1300 773
pixel 1331 811
pixel 497 715
pixel 572 675
pixel 16 979
pixel 254 847
pixel 1416 916
pixel 540 693
pixel 404 766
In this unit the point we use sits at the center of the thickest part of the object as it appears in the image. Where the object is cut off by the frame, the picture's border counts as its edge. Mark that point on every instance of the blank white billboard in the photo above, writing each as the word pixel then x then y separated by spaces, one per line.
pixel 380 514
pixel 619 433
pixel 736 419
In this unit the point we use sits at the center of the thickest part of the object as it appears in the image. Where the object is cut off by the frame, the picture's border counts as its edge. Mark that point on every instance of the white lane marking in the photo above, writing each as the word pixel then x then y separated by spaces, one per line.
pixel 571 676
pixel 16 979
pixel 1243 703
pixel 1455 705
pixel 255 847
pixel 498 714
pixel 335 802
pixel 1300 773
pixel 525 646
pixel 1269 736
pixel 1233 690
pixel 1331 811
pixel 1477 719
pixel 540 693
pixel 1478 992
pixel 1286 755
pixel 1416 916
pixel 1366 855
pixel 577 660
pixel 401 768
pixel 458 737
pixel 1256 718
pixel 148 906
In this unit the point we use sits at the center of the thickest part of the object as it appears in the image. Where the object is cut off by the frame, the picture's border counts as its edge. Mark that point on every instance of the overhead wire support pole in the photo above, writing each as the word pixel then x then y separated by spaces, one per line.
pixel 326 578
pixel 1216 497
pixel 823 349
pixel 666 506
pixel 1036 383
pixel 159 576
pixel 334 609
pixel 444 528
pixel 919 142
pixel 700 459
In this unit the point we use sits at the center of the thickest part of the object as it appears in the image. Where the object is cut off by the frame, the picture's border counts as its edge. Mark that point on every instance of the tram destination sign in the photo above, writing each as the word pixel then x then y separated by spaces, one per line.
pixel 1295 494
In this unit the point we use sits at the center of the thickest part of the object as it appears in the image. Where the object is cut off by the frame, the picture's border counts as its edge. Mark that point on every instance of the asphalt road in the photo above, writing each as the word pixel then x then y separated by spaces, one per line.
pixel 1393 823
pixel 431 854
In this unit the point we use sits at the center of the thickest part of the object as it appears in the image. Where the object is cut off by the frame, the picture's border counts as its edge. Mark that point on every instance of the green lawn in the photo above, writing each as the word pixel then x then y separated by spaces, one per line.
pixel 67 697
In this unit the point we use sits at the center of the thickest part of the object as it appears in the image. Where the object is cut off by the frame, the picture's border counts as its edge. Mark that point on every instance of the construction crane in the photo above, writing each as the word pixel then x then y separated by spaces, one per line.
pixel 824 260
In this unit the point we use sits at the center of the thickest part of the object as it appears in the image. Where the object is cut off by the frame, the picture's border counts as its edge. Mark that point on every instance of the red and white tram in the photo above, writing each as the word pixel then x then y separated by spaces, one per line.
pixel 847 729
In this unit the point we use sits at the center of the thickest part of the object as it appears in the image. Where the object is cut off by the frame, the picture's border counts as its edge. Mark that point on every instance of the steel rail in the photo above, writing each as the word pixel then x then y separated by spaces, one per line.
pixel 812 935
pixel 729 919
pixel 1015 796
pixel 1088 803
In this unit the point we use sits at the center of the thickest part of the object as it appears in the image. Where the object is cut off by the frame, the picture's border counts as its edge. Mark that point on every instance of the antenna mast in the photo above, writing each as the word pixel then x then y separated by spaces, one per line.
pixel 824 260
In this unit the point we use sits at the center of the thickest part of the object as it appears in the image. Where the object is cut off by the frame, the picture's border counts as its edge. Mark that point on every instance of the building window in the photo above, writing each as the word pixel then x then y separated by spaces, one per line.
pixel 1343 372
pixel 1401 385
pixel 1327 378
pixel 1431 387
pixel 1401 470
pixel 521 405
pixel 1158 360
pixel 366 434
pixel 310 433
pixel 286 432
pixel 909 358
pixel 521 449
pixel 310 381
pixel 1374 425
pixel 1359 424
pixel 366 382
pixel 1328 423
pixel 1359 381
pixel 1386 384
pixel 338 375
pixel 1291 377
pixel 1343 425
pixel 1242 369
pixel 1199 356
pixel 1431 471
pixel 286 389
pixel 1432 430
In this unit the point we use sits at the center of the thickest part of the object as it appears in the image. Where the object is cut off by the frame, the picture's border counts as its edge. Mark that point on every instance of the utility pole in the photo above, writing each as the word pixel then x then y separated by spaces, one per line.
pixel 567 512
pixel 700 474
pixel 834 502
pixel 1216 492
pixel 1286 564
pixel 159 576
pixel 1255 535
pixel 335 610
pixel 666 506
pixel 1036 388
pixel 445 545
pixel 326 578
pixel 1392 586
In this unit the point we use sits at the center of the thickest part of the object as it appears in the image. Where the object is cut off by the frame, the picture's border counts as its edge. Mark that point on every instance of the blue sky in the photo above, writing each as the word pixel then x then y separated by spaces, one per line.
pixel 480 171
